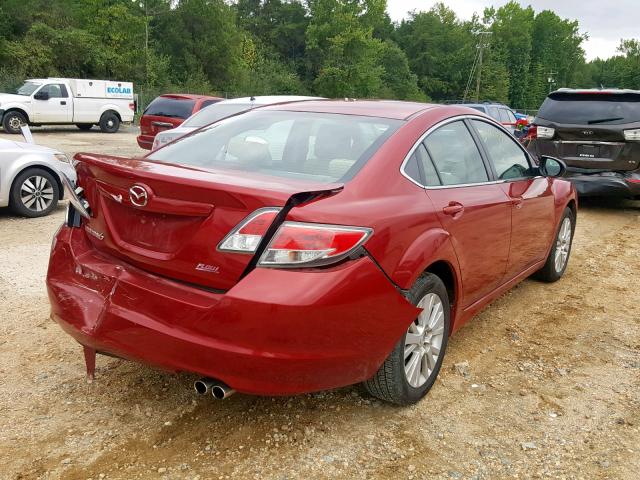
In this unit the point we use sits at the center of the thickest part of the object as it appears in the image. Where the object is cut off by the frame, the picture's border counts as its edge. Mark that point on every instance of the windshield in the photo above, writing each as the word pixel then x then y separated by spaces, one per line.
pixel 28 88
pixel 319 147
pixel 170 107
pixel 214 113
pixel 591 108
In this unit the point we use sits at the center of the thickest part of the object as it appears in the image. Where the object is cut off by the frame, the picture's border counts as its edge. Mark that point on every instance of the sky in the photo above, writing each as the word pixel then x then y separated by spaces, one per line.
pixel 605 21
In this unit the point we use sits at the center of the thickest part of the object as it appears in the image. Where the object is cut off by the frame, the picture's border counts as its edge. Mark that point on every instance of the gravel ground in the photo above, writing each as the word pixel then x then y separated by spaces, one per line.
pixel 543 384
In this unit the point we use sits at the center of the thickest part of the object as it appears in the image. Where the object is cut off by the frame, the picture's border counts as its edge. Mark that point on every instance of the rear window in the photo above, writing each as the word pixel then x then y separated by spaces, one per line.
pixel 170 107
pixel 214 113
pixel 310 146
pixel 591 108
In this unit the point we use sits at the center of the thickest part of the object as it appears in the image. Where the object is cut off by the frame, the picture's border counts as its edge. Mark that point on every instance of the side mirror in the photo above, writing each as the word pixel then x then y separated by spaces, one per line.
pixel 41 95
pixel 552 167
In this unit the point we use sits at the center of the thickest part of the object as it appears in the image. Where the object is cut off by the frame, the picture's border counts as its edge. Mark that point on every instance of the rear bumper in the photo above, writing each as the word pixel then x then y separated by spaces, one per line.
pixel 276 332
pixel 145 141
pixel 606 184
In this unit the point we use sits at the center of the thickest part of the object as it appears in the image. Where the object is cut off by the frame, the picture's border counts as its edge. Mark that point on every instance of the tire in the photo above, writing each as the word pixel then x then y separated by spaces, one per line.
pixel 85 127
pixel 12 121
pixel 24 199
pixel 109 122
pixel 391 382
pixel 560 250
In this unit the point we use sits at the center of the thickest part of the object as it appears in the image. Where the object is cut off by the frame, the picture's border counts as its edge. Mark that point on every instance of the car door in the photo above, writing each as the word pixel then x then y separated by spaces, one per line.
pixel 54 107
pixel 471 207
pixel 533 211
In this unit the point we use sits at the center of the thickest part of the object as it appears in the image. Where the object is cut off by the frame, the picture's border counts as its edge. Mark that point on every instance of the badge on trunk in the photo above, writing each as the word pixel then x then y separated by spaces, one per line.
pixel 138 195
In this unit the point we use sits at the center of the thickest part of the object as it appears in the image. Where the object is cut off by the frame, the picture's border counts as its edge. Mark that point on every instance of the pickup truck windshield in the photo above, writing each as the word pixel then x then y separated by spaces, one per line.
pixel 321 147
pixel 28 88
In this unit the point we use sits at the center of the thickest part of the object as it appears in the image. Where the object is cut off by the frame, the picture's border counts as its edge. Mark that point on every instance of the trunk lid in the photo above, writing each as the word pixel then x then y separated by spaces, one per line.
pixel 187 212
pixel 154 124
pixel 590 147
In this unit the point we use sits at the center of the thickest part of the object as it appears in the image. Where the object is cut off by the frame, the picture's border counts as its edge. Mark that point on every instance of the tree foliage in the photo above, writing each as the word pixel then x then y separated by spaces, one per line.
pixel 334 48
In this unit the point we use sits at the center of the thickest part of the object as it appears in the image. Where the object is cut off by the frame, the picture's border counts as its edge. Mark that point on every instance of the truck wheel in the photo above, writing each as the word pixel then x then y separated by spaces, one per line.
pixel 109 122
pixel 85 127
pixel 12 121
pixel 34 193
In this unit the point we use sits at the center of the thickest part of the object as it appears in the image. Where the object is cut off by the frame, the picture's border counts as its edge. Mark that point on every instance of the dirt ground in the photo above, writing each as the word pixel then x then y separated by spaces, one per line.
pixel 545 383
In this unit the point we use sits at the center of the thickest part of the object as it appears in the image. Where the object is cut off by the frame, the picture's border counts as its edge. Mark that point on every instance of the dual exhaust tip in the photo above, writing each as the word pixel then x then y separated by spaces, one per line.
pixel 219 390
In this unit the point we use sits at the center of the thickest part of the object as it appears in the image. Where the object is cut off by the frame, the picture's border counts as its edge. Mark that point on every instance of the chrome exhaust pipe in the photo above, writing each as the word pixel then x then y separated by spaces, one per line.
pixel 220 391
pixel 203 386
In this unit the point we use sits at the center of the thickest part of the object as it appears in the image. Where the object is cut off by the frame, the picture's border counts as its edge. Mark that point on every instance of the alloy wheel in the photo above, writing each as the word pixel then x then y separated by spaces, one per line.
pixel 423 341
pixel 563 245
pixel 36 193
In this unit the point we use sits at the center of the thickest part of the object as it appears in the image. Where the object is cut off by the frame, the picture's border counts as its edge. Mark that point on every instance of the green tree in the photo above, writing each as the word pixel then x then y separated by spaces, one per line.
pixel 440 49
pixel 511 27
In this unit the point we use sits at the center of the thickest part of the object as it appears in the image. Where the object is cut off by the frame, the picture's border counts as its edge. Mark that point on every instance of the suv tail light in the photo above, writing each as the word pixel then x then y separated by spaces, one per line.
pixel 545 132
pixel 632 135
pixel 246 237
pixel 310 244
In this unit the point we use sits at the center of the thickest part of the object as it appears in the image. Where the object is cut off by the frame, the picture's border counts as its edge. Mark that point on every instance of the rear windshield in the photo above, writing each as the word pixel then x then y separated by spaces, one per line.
pixel 319 147
pixel 214 113
pixel 170 107
pixel 591 108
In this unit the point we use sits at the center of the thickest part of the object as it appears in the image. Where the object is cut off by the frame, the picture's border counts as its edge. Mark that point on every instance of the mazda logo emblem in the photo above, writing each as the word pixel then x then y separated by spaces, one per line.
pixel 138 195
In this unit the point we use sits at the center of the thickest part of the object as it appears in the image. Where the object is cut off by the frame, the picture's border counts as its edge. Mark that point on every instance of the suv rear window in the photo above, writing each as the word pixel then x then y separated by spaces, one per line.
pixel 591 108
pixel 170 107
pixel 309 146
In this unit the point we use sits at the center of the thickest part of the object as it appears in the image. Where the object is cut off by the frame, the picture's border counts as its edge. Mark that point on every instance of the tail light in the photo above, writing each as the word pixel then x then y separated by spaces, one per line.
pixel 132 106
pixel 309 244
pixel 632 135
pixel 246 237
pixel 544 132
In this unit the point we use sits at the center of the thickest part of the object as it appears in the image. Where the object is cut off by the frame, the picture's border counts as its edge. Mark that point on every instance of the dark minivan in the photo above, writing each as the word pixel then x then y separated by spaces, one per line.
pixel 597 134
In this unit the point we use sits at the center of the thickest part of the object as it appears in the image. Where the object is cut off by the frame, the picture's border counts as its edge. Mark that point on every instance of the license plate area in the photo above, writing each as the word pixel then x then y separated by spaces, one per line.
pixel 588 151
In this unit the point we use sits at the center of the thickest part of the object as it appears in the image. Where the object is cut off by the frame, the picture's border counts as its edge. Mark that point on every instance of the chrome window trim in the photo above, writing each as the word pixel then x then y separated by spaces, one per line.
pixel 451 120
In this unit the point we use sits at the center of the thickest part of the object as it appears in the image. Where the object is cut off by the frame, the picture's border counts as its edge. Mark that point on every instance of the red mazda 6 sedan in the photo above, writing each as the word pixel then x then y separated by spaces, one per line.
pixel 307 246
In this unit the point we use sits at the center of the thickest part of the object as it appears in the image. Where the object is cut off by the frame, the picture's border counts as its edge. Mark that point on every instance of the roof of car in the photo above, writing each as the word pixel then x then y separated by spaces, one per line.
pixel 368 108
pixel 189 96
pixel 267 99
pixel 610 91
pixel 485 104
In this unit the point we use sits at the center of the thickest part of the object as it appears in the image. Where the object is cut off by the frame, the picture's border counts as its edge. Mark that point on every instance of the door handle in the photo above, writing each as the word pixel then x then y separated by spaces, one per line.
pixel 63 102
pixel 453 209
pixel 517 202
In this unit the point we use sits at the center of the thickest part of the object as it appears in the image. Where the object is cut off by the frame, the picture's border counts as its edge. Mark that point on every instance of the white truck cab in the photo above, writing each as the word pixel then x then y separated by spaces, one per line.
pixel 59 101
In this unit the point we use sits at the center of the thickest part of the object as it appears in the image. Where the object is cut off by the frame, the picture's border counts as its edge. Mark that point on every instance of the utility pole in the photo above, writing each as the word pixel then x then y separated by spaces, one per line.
pixel 482 44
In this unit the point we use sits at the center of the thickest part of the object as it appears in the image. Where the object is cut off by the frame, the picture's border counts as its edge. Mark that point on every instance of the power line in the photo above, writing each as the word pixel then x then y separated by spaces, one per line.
pixel 483 42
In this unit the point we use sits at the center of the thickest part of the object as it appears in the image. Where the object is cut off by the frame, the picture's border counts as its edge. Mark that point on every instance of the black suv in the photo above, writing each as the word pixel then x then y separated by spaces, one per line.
pixel 597 134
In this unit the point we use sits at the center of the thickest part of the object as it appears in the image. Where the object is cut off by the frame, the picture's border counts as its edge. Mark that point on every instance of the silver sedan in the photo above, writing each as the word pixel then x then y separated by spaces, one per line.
pixel 31 177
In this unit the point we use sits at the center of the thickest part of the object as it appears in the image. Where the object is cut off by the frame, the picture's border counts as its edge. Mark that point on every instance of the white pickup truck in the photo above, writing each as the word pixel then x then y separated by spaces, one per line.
pixel 58 101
